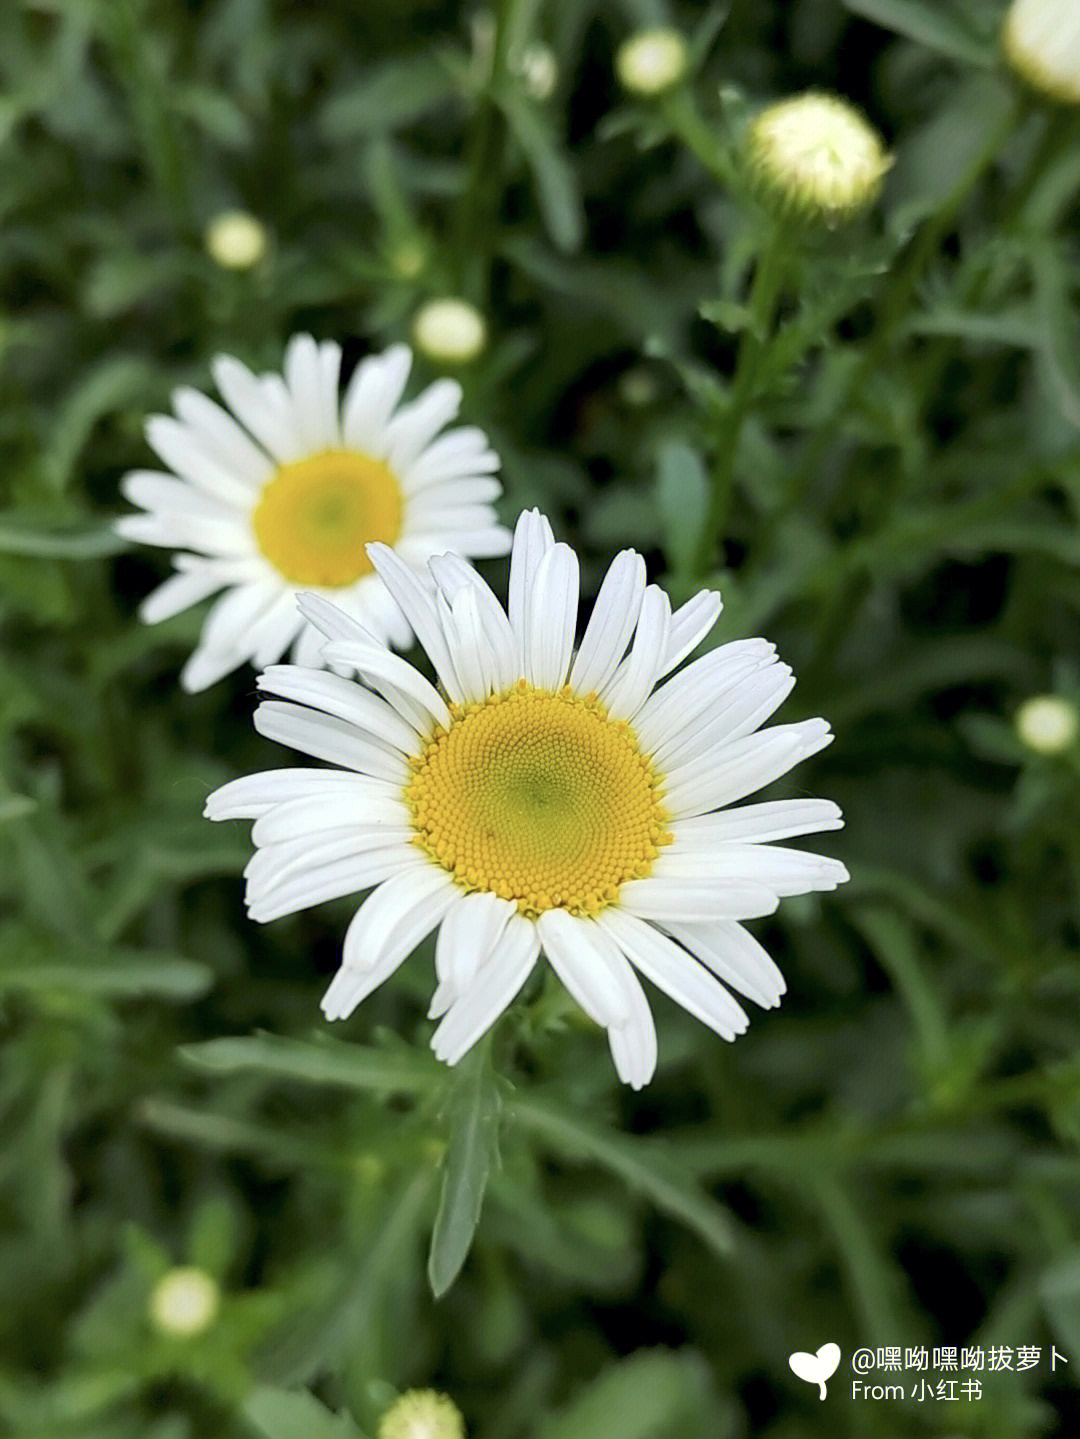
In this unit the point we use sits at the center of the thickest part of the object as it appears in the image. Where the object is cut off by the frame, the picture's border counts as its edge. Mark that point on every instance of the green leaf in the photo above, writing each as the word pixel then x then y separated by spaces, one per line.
pixel 388 97
pixel 26 533
pixel 931 23
pixel 1059 1290
pixel 325 1061
pixel 295 1414
pixel 29 961
pixel 472 1151
pixel 641 1164
pixel 556 186
pixel 653 1394
pixel 14 806
pixel 1056 317
pixel 682 498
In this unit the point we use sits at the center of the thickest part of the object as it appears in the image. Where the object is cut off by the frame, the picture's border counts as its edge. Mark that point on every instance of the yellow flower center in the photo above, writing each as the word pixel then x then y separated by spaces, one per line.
pixel 316 515
pixel 539 797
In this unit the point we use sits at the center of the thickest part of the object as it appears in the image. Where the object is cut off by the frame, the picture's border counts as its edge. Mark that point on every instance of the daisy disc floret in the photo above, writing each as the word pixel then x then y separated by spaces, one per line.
pixel 283 488
pixel 542 797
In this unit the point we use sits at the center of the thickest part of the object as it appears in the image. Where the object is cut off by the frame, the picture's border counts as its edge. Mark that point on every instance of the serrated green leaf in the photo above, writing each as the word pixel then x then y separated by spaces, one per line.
pixel 642 1165
pixel 295 1414
pixel 472 1151
pixel 654 1394
pixel 326 1061
pixel 931 23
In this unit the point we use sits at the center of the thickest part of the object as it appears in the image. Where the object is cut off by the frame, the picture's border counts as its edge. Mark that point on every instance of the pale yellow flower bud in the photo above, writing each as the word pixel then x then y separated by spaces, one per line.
pixel 1041 40
pixel 422 1414
pixel 450 331
pixel 816 157
pixel 651 61
pixel 1048 724
pixel 236 240
pixel 539 69
pixel 184 1302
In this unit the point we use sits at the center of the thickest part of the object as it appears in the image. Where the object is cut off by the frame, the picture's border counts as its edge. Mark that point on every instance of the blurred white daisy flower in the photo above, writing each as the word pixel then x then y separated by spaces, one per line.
pixel 236 240
pixel 541 799
pixel 185 1301
pixel 652 61
pixel 282 491
pixel 1041 40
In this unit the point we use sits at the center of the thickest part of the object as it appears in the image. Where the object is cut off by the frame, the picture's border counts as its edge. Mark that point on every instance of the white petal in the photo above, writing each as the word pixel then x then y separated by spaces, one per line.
pixel 329 387
pixel 275 631
pixel 757 823
pixel 415 425
pixel 344 698
pixel 273 864
pixel 177 593
pixel 674 971
pixel 190 457
pixel 188 531
pixel 376 386
pixel 744 706
pixel 747 765
pixel 329 738
pixel 661 898
pixel 493 989
pixel 584 964
pixel 168 497
pixel 450 572
pixel 482 544
pixel 460 454
pixel 551 618
pixel 690 624
pixel 784 871
pixel 393 921
pixel 612 622
pixel 231 618
pixel 329 618
pixel 532 540
pixel 467 937
pixel 696 689
pixel 308 646
pixel 424 508
pixel 418 604
pixel 379 667
pixel 636 676
pixel 258 405
pixel 473 660
pixel 304 379
pixel 204 668
pixel 219 433
pixel 253 795
pixel 733 955
pixel 342 805
pixel 333 880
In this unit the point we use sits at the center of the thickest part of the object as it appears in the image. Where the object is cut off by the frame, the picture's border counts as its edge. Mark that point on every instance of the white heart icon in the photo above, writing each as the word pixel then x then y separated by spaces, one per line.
pixel 816 1368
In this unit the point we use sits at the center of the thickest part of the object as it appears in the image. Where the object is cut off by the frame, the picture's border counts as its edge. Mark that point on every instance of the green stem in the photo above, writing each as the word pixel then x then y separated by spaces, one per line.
pixel 761 304
pixel 678 108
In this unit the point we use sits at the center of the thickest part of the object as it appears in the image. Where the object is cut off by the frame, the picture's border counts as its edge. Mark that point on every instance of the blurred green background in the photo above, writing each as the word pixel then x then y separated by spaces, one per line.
pixel 891 1158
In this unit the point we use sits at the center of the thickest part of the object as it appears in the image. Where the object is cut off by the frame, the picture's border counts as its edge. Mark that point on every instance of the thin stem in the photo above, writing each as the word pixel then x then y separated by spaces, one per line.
pixel 761 304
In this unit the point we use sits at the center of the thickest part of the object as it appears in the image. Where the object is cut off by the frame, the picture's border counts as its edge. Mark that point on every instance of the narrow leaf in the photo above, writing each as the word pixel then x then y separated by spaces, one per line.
pixel 473 1149
pixel 285 1414
pixel 22 534
pixel 639 1163
pixel 351 1066
pixel 682 497
pixel 556 186
pixel 930 23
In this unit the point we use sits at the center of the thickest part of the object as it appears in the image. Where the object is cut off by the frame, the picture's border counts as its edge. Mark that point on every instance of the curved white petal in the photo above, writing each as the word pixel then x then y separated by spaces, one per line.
pixel 733 955
pixel 532 540
pixel 328 738
pixel 551 618
pixel 634 679
pixel 494 988
pixel 612 622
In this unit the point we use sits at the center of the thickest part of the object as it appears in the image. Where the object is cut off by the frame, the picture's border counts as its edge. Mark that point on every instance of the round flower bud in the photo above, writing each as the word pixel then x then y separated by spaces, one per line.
pixel 539 69
pixel 184 1302
pixel 1048 724
pixel 816 157
pixel 450 331
pixel 422 1414
pixel 1041 40
pixel 236 240
pixel 651 61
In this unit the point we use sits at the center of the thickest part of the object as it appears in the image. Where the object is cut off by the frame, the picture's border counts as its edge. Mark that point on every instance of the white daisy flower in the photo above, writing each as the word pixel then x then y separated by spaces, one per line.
pixel 284 493
pixel 541 798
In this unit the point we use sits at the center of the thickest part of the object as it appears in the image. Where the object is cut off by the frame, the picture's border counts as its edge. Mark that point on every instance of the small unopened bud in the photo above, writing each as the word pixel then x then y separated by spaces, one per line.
pixel 450 330
pixel 236 240
pixel 539 69
pixel 184 1302
pixel 1048 724
pixel 815 157
pixel 1041 40
pixel 651 61
pixel 408 259
pixel 422 1414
